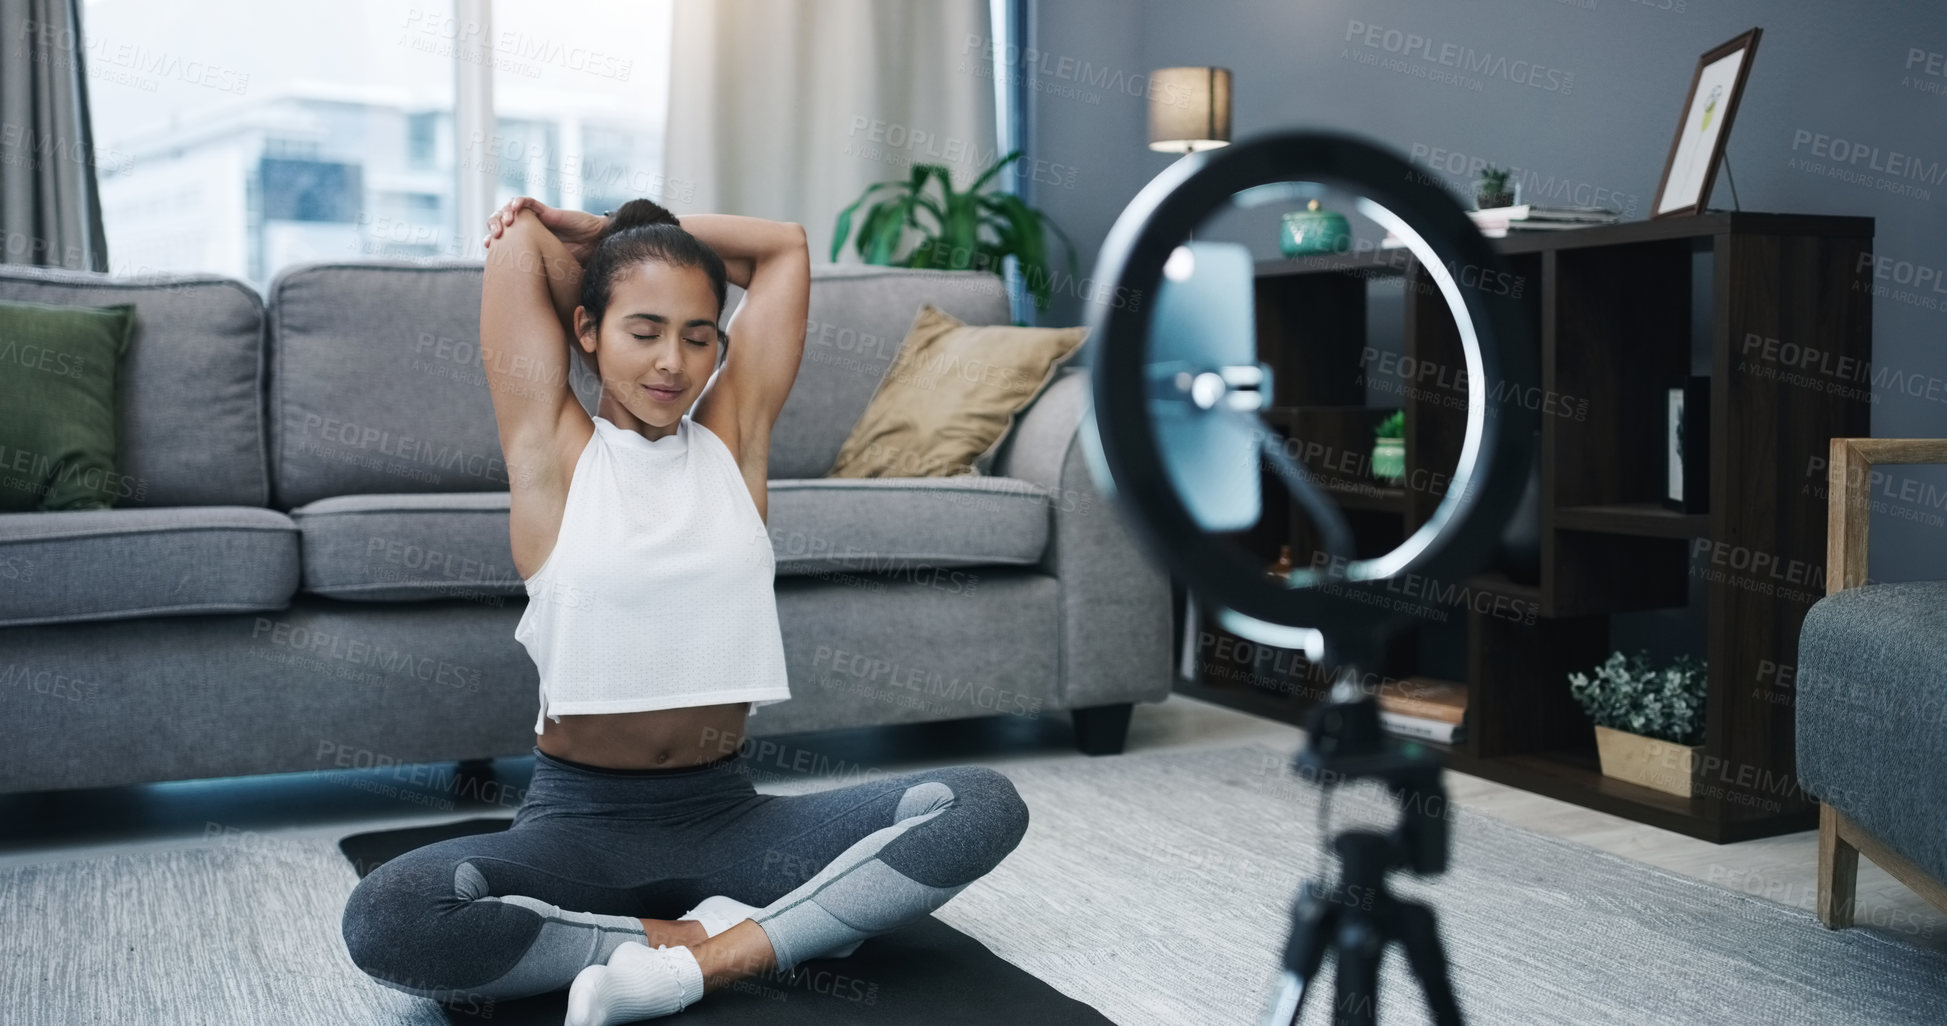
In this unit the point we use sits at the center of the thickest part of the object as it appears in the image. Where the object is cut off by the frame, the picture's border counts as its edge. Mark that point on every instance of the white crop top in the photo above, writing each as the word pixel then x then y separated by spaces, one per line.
pixel 658 594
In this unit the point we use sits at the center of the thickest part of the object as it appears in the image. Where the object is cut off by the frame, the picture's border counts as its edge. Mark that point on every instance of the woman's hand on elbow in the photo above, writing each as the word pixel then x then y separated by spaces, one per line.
pixel 502 218
pixel 577 230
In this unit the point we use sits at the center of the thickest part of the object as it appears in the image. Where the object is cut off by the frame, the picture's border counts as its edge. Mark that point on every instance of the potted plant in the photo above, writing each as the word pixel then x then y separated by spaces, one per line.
pixel 954 239
pixel 1389 448
pixel 1491 188
pixel 1649 722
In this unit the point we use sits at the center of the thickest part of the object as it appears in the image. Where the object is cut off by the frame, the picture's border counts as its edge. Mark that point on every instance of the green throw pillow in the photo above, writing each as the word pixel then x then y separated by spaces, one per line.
pixel 58 371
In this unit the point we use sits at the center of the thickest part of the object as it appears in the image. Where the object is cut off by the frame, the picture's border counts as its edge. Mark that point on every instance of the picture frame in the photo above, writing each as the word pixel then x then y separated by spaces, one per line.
pixel 1686 447
pixel 1698 147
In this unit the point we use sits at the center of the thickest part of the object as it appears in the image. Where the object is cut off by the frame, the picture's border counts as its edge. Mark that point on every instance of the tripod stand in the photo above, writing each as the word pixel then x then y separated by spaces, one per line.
pixel 1358 915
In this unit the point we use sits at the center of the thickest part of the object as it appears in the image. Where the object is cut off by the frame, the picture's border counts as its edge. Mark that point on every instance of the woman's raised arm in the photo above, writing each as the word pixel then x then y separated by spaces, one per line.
pixel 523 340
pixel 771 262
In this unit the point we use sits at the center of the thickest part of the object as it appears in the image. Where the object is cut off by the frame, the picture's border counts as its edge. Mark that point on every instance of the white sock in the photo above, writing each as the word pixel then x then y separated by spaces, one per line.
pixel 639 982
pixel 718 913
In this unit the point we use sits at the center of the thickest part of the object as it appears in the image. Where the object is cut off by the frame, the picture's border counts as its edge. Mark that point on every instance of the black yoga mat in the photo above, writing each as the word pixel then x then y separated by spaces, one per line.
pixel 923 973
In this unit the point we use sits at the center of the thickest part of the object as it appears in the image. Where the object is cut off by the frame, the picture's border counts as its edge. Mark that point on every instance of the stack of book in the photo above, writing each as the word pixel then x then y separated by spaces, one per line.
pixel 1495 222
pixel 1424 709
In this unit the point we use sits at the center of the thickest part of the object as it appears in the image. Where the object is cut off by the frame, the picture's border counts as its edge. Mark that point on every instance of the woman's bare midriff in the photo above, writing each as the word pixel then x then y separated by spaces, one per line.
pixel 658 739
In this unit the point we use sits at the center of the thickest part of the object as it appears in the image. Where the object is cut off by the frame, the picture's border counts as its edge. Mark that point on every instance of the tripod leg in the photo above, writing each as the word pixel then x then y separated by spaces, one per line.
pixel 1428 958
pixel 1361 945
pixel 1313 922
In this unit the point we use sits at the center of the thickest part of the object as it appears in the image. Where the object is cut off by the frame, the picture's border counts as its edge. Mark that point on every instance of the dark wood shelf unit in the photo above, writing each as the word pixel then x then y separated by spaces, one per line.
pixel 1644 519
pixel 1379 263
pixel 1611 308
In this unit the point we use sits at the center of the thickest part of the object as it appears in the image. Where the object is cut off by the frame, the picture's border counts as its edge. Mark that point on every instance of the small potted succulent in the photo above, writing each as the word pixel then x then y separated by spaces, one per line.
pixel 1389 448
pixel 1649 721
pixel 1492 190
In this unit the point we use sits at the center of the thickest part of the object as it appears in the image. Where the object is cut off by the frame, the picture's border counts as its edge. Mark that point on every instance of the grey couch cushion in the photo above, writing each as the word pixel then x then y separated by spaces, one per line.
pixel 189 393
pixel 898 524
pixel 376 384
pixel 114 564
pixel 405 547
pixel 1872 713
pixel 858 318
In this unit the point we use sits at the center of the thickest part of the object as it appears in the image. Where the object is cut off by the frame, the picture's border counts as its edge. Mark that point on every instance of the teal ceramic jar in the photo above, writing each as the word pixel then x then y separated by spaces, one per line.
pixel 1389 459
pixel 1313 230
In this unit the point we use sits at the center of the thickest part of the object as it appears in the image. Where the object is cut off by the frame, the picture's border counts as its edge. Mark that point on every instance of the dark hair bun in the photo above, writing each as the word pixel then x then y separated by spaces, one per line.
pixel 636 213
pixel 642 230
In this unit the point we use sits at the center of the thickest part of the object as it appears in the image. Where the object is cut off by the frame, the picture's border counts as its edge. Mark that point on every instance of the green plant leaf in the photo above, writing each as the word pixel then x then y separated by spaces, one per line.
pixel 962 220
pixel 992 171
pixel 888 230
pixel 1030 250
pixel 845 216
pixel 874 229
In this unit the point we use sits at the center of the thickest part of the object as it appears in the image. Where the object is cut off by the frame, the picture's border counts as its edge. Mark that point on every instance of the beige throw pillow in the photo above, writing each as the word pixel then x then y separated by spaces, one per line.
pixel 950 396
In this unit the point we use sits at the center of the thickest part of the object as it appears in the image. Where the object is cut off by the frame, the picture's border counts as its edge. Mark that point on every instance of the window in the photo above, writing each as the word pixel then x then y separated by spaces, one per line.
pixel 422 138
pixel 581 94
pixel 296 132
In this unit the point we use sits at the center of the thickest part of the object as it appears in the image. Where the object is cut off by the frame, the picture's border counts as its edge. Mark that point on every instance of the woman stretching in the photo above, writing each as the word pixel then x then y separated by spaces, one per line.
pixel 641 536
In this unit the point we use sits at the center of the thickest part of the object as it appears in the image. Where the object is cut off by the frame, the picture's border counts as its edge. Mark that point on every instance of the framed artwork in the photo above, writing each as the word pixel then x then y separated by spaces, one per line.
pixel 1686 447
pixel 1706 123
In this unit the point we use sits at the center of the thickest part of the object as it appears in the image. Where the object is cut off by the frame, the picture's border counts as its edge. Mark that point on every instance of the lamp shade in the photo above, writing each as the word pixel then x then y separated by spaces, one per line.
pixel 1189 109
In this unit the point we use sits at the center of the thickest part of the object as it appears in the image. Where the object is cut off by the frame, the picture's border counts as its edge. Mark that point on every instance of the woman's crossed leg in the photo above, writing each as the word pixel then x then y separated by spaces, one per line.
pixel 590 858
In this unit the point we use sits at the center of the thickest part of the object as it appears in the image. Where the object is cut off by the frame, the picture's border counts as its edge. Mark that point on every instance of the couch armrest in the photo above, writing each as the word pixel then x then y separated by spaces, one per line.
pixel 1115 599
pixel 1849 470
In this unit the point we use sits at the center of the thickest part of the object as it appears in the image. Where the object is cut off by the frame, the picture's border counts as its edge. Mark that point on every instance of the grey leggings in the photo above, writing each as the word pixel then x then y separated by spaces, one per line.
pixel 521 911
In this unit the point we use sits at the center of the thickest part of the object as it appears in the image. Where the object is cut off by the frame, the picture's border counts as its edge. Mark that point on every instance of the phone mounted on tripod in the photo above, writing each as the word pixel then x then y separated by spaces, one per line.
pixel 1180 437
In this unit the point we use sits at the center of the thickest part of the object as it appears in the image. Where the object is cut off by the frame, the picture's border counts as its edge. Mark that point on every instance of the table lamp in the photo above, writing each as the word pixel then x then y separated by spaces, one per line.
pixel 1189 109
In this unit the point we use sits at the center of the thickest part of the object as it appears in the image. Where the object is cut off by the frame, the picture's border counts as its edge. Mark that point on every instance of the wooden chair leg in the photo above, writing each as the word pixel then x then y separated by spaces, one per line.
pixel 1838 872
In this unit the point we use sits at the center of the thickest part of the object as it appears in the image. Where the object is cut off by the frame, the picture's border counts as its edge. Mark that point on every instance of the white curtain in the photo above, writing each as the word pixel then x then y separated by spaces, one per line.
pixel 788 109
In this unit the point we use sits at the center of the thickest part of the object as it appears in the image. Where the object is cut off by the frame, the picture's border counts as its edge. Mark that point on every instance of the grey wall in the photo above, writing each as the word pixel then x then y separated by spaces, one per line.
pixel 1596 129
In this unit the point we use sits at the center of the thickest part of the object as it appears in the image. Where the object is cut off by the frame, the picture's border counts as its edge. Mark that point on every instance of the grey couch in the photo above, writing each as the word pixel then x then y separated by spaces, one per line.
pixel 1871 698
pixel 309 556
